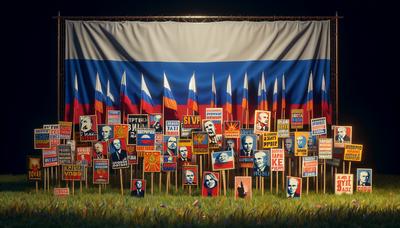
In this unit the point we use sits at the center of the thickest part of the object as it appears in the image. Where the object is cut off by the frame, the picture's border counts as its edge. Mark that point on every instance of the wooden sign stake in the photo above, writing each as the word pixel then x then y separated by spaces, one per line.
pixel 152 182
pixel 37 186
pixel 224 181
pixel 307 184
pixel 121 182
pixel 324 175
pixel 349 167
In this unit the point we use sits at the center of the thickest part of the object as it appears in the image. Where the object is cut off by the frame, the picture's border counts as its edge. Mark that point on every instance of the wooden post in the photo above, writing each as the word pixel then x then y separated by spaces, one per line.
pixel 131 173
pixel 44 180
pixel 190 190
pixel 176 180
pixel 100 189
pixel 167 184
pixel 48 179
pixel 37 186
pixel 307 184
pixel 152 183
pixel 87 177
pixel 80 186
pixel 316 183
pixel 270 181
pixel 224 181
pixel 276 182
pixel 121 182
pixel 344 167
pixel 262 185
pixel 324 175
pixel 73 187
pixel 159 182
pixel 201 166
pixel 349 167
pixel 51 175
pixel 256 183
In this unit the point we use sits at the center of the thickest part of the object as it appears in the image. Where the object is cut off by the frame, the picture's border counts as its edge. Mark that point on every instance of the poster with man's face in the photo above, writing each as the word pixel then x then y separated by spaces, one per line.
pixel 185 150
pixel 135 121
pixel 222 160
pixel 262 163
pixel 301 143
pixel 262 121
pixel 243 188
pixel 156 122
pixel 138 187
pixel 210 186
pixel 232 144
pixel 105 132
pixel 364 180
pixel 213 128
pixel 189 175
pixel 293 187
pixel 118 153
pixel 341 136
pixel 248 144
pixel 34 168
pixel 100 149
pixel 88 128
pixel 170 145
pixel 288 145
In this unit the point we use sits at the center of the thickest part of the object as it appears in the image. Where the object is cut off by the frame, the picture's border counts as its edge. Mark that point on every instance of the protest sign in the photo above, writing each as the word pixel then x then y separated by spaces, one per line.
pixel 231 129
pixel 325 148
pixel 42 139
pixel 34 168
pixel 269 140
pixel 101 173
pixel 343 184
pixel 172 127
pixel 283 128
pixel 277 160
pixel 296 119
pixel 318 126
pixel 310 166
pixel 353 152
pixel 135 121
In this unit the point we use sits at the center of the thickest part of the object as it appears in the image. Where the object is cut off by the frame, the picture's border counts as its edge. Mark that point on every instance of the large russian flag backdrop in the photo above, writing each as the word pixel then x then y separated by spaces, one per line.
pixel 290 48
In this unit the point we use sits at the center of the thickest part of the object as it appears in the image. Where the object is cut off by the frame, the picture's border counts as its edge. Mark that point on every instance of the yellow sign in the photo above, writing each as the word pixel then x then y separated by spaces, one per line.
pixel 353 152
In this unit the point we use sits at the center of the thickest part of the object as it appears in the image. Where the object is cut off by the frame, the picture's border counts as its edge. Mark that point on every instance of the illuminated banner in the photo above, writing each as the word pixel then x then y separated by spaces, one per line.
pixel 34 168
pixel 172 127
pixel 310 166
pixel 353 152
pixel 231 129
pixel 297 119
pixel 113 117
pixel 111 49
pixel 193 122
pixel 101 171
pixel 42 139
pixel 343 184
pixel 277 160
pixel 49 157
pixel 283 128
pixel 136 121
pixel 318 126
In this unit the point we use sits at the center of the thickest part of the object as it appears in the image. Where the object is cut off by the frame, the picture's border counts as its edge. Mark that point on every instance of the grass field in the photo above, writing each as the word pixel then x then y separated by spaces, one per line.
pixel 21 206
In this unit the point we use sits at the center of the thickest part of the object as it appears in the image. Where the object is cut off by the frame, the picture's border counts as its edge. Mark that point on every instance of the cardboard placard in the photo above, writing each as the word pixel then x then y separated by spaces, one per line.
pixel 325 148
pixel 65 129
pixel 84 156
pixel 190 175
pixel 353 152
pixel 294 187
pixel 138 187
pixel 262 163
pixel 283 128
pixel 101 171
pixel 50 157
pixel 72 172
pixel 296 119
pixel 243 187
pixel 65 155
pixel 185 150
pixel 341 135
pixel 119 156
pixel 42 139
pixel 277 160
pixel 152 161
pixel 262 121
pixel 145 140
pixel 136 121
pixel 210 186
pixel 269 140
pixel 343 184
pixel 191 121
pixel 172 127
pixel 310 166
pixel 88 128
pixel 318 126
pixel 364 180
pixel 200 142
pixel 222 160
pixel 113 117
pixel 34 168
pixel 156 122
pixel 61 192
pixel 232 129
pixel 301 143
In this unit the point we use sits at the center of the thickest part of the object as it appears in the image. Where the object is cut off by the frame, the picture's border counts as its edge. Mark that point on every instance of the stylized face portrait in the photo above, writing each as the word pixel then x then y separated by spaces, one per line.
pixel 210 181
pixel 98 147
pixel 117 144
pixel 223 157
pixel 183 151
pixel 209 128
pixel 138 184
pixel 292 186
pixel 106 132
pixel 86 123
pixel 341 132
pixel 301 141
pixel 247 143
pixel 263 118
pixel 171 144
pixel 289 145
pixel 230 144
pixel 260 159
pixel 189 176
pixel 364 177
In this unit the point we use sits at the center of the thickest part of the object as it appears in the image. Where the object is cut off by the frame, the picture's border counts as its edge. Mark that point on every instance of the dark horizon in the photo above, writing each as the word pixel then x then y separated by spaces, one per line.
pixel 367 94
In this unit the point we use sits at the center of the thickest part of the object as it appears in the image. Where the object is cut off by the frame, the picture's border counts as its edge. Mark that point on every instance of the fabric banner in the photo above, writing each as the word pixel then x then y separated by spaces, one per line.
pixel 116 48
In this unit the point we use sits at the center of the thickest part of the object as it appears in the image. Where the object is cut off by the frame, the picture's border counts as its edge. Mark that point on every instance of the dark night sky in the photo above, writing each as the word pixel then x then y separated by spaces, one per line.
pixel 367 65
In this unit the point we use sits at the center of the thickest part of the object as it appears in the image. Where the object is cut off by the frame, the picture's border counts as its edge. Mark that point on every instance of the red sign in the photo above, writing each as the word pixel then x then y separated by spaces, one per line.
pixel 61 192
pixel 277 160
pixel 101 171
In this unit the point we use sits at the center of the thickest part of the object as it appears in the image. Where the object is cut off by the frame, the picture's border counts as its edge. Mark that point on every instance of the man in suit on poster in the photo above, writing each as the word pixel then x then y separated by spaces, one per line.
pixel 139 191
pixel 341 135
pixel 293 183
pixel 118 154
pixel 247 146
